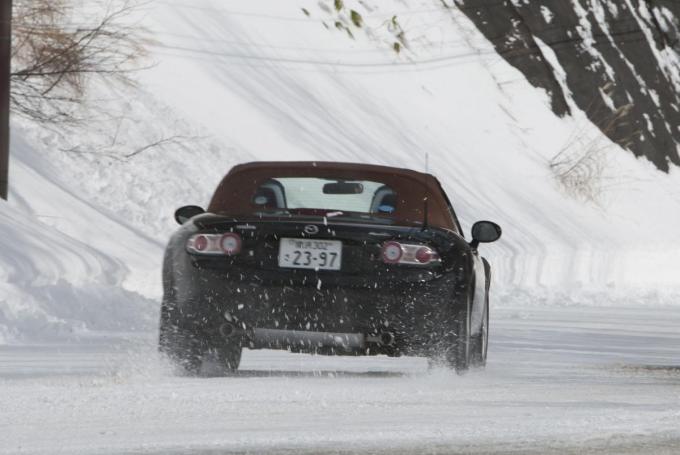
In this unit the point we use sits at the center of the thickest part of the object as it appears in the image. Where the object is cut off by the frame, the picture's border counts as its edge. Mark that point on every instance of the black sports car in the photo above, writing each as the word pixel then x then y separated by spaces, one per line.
pixel 328 258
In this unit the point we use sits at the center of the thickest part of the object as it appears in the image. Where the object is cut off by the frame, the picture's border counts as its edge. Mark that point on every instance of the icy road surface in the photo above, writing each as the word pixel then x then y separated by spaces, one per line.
pixel 560 380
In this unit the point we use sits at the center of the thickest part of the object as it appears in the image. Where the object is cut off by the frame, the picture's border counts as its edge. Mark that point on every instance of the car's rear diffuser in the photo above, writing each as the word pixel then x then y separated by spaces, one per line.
pixel 275 338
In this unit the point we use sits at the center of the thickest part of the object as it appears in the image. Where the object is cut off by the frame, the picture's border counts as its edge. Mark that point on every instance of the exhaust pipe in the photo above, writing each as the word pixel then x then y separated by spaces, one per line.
pixel 381 339
pixel 386 339
pixel 228 330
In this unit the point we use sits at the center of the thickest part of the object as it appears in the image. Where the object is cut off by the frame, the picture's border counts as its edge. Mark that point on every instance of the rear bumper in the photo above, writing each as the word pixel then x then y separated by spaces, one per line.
pixel 316 318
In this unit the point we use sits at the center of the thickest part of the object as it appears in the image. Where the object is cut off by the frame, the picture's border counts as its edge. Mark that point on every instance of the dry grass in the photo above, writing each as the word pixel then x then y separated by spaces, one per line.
pixel 56 50
pixel 580 166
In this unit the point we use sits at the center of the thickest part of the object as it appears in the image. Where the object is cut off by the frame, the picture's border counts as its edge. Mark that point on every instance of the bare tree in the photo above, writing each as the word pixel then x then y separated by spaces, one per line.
pixel 59 45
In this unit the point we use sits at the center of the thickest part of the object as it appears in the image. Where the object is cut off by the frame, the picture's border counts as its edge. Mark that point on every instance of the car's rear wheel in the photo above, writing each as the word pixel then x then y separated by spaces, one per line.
pixel 183 349
pixel 480 342
pixel 459 356
pixel 194 357
pixel 453 350
pixel 229 356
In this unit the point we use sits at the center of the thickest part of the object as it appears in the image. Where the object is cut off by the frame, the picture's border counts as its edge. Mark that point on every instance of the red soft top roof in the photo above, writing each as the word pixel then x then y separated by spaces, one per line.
pixel 234 194
pixel 324 165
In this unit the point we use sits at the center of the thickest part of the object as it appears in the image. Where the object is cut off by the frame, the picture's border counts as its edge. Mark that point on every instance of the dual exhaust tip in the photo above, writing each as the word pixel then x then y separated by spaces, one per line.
pixel 229 330
pixel 386 339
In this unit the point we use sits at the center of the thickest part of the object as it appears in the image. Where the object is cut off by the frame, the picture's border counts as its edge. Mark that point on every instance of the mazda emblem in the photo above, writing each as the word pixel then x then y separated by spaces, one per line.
pixel 311 229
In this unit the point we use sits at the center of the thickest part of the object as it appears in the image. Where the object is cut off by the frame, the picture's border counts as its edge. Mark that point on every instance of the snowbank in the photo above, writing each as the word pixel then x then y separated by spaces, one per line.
pixel 68 268
pixel 55 287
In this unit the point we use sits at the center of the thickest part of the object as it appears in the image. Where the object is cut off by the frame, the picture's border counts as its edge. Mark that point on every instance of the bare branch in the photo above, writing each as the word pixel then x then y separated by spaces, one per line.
pixel 54 59
pixel 159 143
pixel 580 165
pixel 108 151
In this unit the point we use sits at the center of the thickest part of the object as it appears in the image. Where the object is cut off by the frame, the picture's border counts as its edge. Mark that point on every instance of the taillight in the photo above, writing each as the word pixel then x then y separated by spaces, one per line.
pixel 200 243
pixel 231 243
pixel 228 244
pixel 392 252
pixel 404 253
pixel 425 255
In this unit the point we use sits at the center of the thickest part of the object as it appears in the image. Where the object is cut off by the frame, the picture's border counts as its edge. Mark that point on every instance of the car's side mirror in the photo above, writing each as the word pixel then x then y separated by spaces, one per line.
pixel 184 214
pixel 485 232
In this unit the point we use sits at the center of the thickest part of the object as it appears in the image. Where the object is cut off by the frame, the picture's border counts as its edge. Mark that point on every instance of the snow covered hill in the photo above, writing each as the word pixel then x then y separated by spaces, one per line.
pixel 239 81
pixel 69 268
pixel 621 59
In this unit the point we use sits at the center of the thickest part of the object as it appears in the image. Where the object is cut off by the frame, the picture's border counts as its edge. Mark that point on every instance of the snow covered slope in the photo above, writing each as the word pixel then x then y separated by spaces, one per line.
pixel 239 81
pixel 68 268
pixel 622 59
pixel 55 287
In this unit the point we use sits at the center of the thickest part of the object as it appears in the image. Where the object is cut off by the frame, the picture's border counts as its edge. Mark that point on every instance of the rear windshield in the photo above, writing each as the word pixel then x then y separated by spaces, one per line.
pixel 325 195
pixel 354 194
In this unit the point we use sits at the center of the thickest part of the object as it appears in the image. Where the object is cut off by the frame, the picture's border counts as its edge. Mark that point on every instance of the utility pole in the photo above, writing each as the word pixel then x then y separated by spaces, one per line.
pixel 5 69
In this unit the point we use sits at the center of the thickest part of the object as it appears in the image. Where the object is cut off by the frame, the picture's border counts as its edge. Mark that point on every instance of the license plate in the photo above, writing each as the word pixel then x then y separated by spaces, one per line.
pixel 310 254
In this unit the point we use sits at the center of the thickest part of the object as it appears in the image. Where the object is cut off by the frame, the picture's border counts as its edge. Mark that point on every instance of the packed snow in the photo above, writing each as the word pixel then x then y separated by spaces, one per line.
pixel 560 381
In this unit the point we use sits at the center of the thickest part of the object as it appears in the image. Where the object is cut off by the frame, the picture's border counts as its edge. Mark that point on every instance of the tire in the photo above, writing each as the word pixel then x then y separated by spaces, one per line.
pixel 459 357
pixel 188 353
pixel 454 347
pixel 189 350
pixel 177 344
pixel 480 343
pixel 229 357
pixel 183 350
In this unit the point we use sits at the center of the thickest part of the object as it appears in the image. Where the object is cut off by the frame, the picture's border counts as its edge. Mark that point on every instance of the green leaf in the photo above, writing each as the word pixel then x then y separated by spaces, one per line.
pixel 357 20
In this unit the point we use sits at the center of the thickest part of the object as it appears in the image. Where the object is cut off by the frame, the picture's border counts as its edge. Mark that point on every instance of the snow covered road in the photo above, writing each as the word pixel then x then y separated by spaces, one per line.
pixel 559 380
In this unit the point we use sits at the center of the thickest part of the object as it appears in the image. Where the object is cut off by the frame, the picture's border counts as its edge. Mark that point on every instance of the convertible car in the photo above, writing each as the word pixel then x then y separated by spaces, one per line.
pixel 326 258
